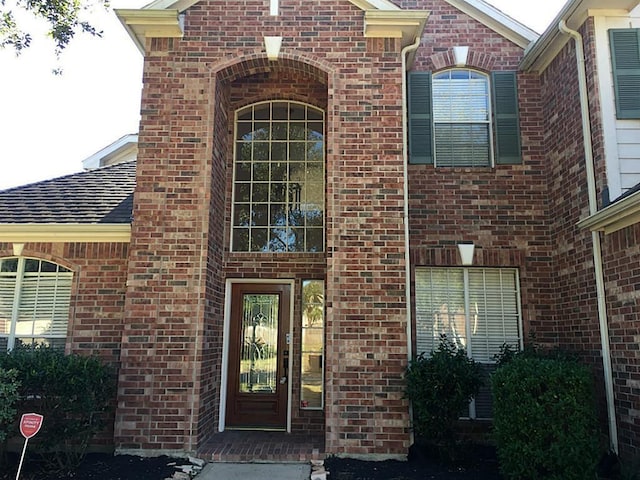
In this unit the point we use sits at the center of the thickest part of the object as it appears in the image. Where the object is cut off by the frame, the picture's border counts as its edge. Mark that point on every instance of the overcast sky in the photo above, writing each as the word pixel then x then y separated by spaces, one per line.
pixel 49 124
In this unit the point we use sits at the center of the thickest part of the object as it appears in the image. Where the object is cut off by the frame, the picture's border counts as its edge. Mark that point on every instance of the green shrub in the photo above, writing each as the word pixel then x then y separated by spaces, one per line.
pixel 8 398
pixel 440 387
pixel 72 392
pixel 545 423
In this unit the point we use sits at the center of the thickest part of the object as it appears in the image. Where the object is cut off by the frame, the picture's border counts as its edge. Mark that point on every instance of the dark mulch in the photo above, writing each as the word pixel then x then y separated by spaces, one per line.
pixel 96 466
pixel 473 462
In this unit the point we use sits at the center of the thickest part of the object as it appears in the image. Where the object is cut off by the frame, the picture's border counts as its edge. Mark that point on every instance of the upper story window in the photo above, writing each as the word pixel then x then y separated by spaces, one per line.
pixel 461 114
pixel 278 183
pixel 463 118
pixel 34 302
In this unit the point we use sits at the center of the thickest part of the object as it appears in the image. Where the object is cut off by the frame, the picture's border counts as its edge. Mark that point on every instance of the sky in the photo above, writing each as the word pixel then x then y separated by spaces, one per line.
pixel 50 123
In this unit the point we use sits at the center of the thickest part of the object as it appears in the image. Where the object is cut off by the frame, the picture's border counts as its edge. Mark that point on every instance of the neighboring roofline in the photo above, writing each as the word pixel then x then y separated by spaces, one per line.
pixel 540 54
pixel 93 161
pixel 618 215
pixel 497 21
pixel 65 232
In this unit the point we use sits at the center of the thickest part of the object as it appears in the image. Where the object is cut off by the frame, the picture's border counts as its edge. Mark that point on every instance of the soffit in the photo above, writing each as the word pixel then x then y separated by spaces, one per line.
pixel 621 214
pixel 540 54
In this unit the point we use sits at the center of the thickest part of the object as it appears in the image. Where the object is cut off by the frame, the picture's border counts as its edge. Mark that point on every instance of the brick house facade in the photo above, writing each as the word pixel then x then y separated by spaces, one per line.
pixel 156 292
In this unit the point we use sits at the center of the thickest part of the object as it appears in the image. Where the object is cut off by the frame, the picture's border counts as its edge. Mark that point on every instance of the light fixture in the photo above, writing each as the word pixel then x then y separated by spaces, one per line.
pixel 460 56
pixel 272 45
pixel 466 253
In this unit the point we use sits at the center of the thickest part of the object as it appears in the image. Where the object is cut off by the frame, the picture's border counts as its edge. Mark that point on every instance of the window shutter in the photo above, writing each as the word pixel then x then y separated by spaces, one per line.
pixel 420 118
pixel 625 59
pixel 505 114
pixel 44 305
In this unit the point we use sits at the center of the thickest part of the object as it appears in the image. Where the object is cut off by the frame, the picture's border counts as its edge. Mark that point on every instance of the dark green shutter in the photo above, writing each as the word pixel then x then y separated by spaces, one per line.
pixel 625 57
pixel 420 118
pixel 505 117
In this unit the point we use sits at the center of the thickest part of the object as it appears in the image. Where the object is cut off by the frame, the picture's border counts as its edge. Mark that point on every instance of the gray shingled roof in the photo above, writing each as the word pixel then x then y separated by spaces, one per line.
pixel 103 195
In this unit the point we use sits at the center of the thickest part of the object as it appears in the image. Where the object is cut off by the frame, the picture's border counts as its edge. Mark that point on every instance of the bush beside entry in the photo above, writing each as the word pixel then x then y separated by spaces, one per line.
pixel 72 392
pixel 545 423
pixel 440 387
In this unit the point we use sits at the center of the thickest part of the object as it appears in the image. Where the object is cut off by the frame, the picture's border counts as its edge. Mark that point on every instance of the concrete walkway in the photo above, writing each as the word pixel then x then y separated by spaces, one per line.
pixel 255 471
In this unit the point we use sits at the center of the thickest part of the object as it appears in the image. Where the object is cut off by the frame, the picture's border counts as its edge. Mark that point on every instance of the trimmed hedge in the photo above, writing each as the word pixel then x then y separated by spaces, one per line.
pixel 8 398
pixel 440 387
pixel 74 394
pixel 545 422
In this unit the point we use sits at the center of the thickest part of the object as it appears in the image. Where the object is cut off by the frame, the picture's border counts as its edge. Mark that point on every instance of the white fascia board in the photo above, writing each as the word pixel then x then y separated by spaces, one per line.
pixel 497 21
pixel 541 53
pixel 616 216
pixel 94 161
pixel 65 232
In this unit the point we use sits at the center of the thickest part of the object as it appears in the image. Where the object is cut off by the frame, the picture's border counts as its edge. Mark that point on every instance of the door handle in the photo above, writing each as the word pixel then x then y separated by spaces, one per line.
pixel 283 380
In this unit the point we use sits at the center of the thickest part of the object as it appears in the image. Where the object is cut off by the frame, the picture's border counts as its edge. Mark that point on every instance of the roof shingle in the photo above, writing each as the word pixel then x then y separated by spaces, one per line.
pixel 103 195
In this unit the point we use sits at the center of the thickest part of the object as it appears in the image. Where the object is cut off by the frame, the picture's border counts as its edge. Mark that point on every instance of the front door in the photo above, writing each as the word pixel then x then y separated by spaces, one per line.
pixel 257 390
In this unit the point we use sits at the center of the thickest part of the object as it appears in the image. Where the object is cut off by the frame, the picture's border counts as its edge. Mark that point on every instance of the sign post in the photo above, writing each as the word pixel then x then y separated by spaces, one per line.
pixel 30 424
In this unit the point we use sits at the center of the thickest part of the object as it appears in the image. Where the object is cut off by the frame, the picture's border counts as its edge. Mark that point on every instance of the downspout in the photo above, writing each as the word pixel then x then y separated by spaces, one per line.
pixel 595 236
pixel 405 170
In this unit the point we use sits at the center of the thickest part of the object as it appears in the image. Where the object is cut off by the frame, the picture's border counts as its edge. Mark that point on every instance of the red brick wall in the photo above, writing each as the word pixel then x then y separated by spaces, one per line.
pixel 577 327
pixel 175 282
pixel 96 316
pixel 503 209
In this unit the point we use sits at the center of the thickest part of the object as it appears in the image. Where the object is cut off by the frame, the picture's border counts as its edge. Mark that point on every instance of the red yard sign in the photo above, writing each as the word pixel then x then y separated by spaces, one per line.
pixel 30 424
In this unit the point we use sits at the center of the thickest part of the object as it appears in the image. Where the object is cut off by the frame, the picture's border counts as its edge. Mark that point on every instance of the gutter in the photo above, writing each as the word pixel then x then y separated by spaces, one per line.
pixel 595 236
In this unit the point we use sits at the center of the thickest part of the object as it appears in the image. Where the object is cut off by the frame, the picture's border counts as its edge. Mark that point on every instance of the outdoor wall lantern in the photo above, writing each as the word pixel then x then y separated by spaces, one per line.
pixel 460 56
pixel 466 253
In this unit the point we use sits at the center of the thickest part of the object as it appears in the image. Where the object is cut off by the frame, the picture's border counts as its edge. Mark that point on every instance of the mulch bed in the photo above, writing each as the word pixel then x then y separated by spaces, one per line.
pixel 475 462
pixel 96 466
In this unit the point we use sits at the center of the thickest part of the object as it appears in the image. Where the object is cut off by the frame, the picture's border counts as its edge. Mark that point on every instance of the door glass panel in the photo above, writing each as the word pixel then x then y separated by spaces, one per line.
pixel 259 350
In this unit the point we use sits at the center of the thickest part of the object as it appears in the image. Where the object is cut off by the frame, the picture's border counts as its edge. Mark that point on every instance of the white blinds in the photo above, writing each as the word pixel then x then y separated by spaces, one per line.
pixel 34 300
pixel 477 308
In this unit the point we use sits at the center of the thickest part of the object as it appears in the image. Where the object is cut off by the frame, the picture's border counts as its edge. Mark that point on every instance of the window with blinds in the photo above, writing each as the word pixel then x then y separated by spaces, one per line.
pixel 477 308
pixel 461 117
pixel 34 302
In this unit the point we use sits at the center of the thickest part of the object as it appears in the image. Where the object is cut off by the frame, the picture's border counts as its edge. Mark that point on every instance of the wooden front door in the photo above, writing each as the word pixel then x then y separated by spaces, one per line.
pixel 258 383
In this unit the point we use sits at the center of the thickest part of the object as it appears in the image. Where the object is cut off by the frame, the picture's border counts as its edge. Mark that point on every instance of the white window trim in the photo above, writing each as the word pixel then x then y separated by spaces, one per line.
pixel 18 291
pixel 488 122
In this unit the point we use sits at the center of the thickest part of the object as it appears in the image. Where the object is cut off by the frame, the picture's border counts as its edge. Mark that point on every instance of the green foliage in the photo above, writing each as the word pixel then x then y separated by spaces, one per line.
pixel 72 392
pixel 8 397
pixel 545 423
pixel 63 18
pixel 440 387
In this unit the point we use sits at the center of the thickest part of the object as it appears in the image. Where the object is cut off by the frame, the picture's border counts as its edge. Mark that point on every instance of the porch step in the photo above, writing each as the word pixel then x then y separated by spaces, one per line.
pixel 262 447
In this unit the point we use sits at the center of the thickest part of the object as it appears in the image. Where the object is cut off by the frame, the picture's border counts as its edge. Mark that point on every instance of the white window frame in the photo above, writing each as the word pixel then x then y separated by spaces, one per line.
pixel 430 341
pixel 41 298
pixel 304 205
pixel 454 119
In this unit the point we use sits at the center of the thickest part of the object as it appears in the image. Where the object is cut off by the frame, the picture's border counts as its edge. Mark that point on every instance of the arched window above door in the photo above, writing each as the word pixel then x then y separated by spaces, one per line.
pixel 278 178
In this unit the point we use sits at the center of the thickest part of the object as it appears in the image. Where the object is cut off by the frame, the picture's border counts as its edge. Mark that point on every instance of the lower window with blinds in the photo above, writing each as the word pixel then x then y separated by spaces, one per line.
pixel 476 308
pixel 34 302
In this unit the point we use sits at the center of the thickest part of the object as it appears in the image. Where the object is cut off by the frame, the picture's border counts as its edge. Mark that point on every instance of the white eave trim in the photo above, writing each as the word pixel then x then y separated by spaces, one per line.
pixel 142 24
pixel 64 232
pixel 541 53
pixel 616 216
pixel 407 25
pixel 497 21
